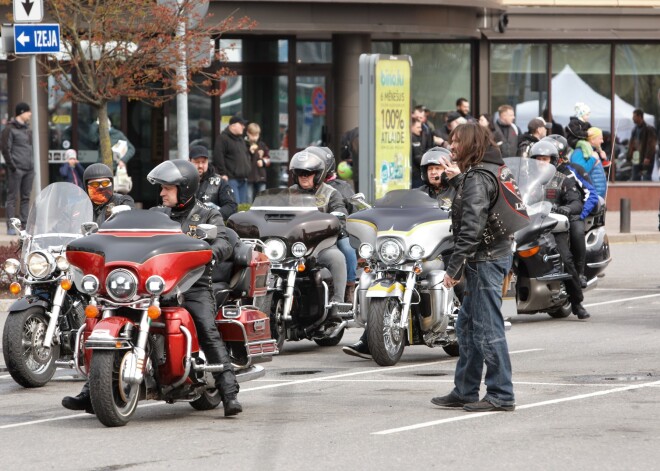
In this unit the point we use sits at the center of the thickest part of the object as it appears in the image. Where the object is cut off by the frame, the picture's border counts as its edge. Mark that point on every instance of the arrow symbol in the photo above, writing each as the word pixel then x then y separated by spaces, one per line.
pixel 23 38
pixel 27 4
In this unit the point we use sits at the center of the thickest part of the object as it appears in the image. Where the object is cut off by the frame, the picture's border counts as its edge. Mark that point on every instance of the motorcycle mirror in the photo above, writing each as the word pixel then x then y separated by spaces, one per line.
pixel 357 197
pixel 16 224
pixel 206 231
pixel 445 208
pixel 88 228
pixel 339 215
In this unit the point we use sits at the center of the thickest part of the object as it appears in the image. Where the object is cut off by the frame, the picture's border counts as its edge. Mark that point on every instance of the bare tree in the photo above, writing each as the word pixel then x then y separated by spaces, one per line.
pixel 129 48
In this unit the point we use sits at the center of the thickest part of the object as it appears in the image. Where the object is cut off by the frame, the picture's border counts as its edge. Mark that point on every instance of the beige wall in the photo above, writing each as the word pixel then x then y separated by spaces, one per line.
pixel 583 3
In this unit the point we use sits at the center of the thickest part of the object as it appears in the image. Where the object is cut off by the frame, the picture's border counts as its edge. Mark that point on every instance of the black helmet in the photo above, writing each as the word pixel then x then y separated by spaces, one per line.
pixel 561 143
pixel 326 154
pixel 308 161
pixel 180 173
pixel 95 171
pixel 434 156
pixel 545 148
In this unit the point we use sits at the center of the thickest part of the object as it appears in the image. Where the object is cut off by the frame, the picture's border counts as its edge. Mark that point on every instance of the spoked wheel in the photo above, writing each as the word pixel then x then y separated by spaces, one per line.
pixel 330 342
pixel 210 399
pixel 386 338
pixel 561 312
pixel 30 363
pixel 277 327
pixel 114 397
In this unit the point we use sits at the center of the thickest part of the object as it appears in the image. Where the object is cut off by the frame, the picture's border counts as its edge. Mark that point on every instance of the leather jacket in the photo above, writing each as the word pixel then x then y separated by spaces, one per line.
pixel 562 190
pixel 214 190
pixel 103 211
pixel 478 231
pixel 190 216
pixel 444 193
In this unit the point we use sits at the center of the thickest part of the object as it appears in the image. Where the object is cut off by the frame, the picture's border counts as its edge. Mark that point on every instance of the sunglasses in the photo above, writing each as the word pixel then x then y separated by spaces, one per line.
pixel 102 184
pixel 304 173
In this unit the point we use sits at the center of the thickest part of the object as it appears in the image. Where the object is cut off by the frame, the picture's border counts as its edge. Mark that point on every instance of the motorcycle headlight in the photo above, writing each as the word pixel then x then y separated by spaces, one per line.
pixel 366 251
pixel 121 284
pixel 298 249
pixel 275 250
pixel 416 252
pixel 40 264
pixel 62 263
pixel 390 251
pixel 89 284
pixel 155 285
pixel 12 266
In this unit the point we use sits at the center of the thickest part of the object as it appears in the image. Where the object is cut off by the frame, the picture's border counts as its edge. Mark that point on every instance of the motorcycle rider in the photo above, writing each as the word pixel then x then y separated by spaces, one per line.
pixel 98 181
pixel 213 191
pixel 435 181
pixel 566 200
pixel 346 191
pixel 308 170
pixel 589 199
pixel 179 181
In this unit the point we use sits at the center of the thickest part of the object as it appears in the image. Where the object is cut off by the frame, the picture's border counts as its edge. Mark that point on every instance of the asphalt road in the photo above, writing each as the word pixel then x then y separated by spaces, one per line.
pixel 588 397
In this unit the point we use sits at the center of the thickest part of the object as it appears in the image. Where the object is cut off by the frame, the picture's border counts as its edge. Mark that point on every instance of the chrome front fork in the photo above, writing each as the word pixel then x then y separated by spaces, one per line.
pixel 407 298
pixel 288 295
pixel 54 314
pixel 136 367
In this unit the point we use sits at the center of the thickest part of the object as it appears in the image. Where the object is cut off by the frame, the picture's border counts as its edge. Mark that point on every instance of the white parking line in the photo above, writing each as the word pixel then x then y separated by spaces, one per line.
pixel 622 300
pixel 269 386
pixel 469 416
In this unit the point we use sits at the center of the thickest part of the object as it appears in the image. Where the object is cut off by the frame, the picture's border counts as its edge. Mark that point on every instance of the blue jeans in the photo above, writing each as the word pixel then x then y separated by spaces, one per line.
pixel 240 187
pixel 481 336
pixel 253 189
pixel 351 258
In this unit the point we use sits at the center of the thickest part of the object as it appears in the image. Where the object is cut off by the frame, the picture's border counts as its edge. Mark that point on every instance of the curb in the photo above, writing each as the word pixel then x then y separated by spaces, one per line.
pixel 620 238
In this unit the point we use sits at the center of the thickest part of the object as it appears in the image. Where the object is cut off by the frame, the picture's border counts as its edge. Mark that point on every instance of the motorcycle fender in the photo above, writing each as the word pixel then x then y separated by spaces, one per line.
pixel 106 335
pixel 27 302
pixel 386 289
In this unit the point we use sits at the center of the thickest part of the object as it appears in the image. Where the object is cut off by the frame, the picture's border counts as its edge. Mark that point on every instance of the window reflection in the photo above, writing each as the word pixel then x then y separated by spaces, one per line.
pixel 313 52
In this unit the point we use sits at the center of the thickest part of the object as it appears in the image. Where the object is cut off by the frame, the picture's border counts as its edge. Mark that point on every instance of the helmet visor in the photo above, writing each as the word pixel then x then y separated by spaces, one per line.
pixel 165 173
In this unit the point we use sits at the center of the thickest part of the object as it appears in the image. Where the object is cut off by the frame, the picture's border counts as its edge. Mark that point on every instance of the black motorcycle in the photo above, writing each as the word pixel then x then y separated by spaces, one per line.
pixel 537 278
pixel 41 331
pixel 294 232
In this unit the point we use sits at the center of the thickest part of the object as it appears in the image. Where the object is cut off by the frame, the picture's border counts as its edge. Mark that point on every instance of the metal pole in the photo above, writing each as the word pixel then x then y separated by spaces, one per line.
pixel 182 94
pixel 34 106
pixel 624 226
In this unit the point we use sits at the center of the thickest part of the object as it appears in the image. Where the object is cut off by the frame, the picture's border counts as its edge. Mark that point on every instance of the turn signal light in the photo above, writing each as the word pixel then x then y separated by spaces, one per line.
pixel 15 288
pixel 529 252
pixel 301 267
pixel 367 269
pixel 417 269
pixel 91 311
pixel 66 284
pixel 153 312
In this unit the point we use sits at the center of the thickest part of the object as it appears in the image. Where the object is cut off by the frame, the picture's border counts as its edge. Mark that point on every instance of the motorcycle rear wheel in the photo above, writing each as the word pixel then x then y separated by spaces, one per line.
pixel 452 350
pixel 562 311
pixel 386 339
pixel 114 400
pixel 28 362
pixel 210 399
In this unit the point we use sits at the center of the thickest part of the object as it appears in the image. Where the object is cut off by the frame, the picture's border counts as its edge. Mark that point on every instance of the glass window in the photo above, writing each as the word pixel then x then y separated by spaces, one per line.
pixel 519 77
pixel 581 73
pixel 442 72
pixel 263 100
pixel 310 111
pixel 200 122
pixel 4 118
pixel 59 118
pixel 88 138
pixel 255 50
pixel 382 47
pixel 313 52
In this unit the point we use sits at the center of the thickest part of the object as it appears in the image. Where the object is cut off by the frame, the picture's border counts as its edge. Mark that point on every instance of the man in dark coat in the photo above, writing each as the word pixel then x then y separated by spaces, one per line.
pixel 213 191
pixel 231 158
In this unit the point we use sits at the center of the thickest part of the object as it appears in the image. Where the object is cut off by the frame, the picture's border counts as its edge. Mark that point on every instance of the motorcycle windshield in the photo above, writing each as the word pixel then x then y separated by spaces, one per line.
pixel 532 176
pixel 284 198
pixel 56 215
pixel 402 199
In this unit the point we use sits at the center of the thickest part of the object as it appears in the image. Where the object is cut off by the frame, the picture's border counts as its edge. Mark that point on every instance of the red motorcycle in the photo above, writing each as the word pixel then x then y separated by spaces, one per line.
pixel 138 342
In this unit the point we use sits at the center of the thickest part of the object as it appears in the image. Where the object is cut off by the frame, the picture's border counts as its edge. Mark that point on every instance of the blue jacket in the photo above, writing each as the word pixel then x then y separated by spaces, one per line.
pixel 590 194
pixel 594 169
pixel 67 173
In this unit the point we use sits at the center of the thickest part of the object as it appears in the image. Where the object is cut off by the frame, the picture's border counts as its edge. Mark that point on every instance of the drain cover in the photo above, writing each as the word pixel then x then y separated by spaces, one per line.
pixel 430 373
pixel 616 377
pixel 300 372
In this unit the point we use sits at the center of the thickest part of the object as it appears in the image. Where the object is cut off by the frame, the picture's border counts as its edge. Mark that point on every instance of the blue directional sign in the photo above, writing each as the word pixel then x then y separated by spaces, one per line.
pixel 37 38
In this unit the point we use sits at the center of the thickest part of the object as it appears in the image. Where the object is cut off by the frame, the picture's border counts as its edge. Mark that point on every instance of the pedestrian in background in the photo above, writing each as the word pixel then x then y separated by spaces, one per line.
pixel 537 129
pixel 641 147
pixel 231 158
pixel 509 131
pixel 486 120
pixel 483 223
pixel 578 124
pixel 16 145
pixel 71 170
pixel 259 161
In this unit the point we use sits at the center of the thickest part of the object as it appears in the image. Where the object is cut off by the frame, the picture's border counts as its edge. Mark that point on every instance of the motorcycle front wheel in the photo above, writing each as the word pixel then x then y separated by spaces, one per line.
pixel 28 361
pixel 114 399
pixel 386 338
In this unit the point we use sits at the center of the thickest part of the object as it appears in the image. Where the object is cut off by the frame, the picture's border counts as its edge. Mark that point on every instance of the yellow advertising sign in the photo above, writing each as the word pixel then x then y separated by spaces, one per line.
pixel 392 125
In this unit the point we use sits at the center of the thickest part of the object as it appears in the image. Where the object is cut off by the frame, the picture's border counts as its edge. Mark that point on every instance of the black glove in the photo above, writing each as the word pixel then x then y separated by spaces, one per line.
pixel 563 210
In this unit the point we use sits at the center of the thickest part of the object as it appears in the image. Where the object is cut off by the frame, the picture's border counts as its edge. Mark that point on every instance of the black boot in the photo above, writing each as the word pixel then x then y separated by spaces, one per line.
pixel 228 387
pixel 231 405
pixel 580 311
pixel 359 349
pixel 82 401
